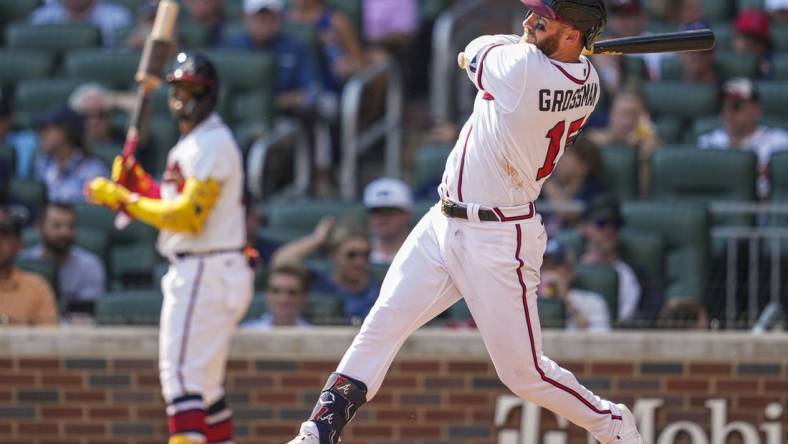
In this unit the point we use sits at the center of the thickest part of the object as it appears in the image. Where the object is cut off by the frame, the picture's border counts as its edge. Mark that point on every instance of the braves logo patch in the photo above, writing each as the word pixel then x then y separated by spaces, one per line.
pixel 173 175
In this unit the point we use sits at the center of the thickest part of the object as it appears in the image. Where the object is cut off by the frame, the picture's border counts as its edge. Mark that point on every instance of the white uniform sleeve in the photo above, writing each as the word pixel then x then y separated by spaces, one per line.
pixel 498 66
pixel 212 161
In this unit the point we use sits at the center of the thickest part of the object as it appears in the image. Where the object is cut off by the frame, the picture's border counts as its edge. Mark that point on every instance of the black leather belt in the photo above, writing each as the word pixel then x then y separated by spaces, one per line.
pixel 183 255
pixel 453 209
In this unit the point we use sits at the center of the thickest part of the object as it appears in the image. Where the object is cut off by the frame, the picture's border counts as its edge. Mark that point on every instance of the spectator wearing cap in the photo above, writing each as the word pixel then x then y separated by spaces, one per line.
pixel 23 142
pixel 601 226
pixel 25 298
pixel 286 295
pixel 389 204
pixel 64 166
pixel 81 277
pixel 349 279
pixel 741 109
pixel 778 11
pixel 585 310
pixel 699 66
pixel 297 84
pixel 751 36
pixel 108 17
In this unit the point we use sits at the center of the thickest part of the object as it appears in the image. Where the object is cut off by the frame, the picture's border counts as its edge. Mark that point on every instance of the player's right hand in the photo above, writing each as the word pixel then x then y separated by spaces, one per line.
pixel 102 191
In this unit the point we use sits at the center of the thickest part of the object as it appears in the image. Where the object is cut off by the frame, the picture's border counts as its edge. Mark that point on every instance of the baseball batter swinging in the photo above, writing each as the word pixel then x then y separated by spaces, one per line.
pixel 484 241
pixel 207 289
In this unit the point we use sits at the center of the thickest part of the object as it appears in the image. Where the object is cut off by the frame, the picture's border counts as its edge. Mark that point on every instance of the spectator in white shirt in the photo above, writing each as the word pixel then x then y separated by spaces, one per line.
pixel 108 17
pixel 741 110
pixel 285 297
pixel 585 310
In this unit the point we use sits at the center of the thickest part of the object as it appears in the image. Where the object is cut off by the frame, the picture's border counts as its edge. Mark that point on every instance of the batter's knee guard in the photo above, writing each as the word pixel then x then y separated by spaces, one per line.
pixel 338 402
pixel 219 423
pixel 186 419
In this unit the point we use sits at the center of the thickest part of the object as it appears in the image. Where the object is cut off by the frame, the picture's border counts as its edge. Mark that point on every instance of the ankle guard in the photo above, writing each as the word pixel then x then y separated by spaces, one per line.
pixel 338 402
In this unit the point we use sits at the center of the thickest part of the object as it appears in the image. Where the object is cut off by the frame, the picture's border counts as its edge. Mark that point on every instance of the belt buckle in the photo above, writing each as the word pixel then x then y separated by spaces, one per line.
pixel 446 206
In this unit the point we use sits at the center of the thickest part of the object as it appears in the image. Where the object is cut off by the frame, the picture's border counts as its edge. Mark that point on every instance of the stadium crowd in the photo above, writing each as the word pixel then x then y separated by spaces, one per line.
pixel 626 206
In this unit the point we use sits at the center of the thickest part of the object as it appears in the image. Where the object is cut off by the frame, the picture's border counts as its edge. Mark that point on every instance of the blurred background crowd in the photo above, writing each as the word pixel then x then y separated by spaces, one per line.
pixel 668 212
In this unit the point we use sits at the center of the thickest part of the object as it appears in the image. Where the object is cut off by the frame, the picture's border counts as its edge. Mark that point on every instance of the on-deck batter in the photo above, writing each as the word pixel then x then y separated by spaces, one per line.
pixel 207 289
pixel 484 242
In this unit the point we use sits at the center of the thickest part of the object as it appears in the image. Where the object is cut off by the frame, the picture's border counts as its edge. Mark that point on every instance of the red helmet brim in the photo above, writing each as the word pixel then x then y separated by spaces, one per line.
pixel 539 8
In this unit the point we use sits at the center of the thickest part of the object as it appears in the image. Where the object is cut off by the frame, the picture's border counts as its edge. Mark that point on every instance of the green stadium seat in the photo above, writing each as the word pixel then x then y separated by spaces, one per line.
pixel 621 170
pixel 16 10
pixel 305 214
pixel 129 307
pixel 324 309
pixel 52 38
pixel 717 10
pixel 702 175
pixel 40 95
pixel 778 165
pixel 669 128
pixel 243 70
pixel 670 69
pixel 645 250
pixel 700 127
pixel 233 9
pixel 552 313
pixel 781 66
pixel 684 229
pixel 737 64
pixel 43 267
pixel 780 38
pixel 163 135
pixel 600 279
pixel 27 191
pixel 634 68
pixel 192 35
pixel 103 220
pixel 114 69
pixel 132 264
pixel 774 96
pixel 21 65
pixel 696 100
pixel 428 165
pixel 749 4
pixel 255 106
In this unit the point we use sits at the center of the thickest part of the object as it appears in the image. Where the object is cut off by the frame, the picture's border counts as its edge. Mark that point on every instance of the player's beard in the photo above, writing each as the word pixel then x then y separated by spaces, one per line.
pixel 549 45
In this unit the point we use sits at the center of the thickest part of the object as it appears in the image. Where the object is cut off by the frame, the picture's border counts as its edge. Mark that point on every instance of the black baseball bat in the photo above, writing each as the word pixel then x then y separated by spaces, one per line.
pixel 682 41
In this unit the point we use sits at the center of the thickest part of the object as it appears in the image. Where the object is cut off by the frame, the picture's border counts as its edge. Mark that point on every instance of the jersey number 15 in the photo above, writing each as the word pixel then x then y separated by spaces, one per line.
pixel 555 135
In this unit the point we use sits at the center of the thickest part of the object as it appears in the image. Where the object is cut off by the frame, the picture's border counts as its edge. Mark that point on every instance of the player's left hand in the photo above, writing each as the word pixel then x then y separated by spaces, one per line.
pixel 102 191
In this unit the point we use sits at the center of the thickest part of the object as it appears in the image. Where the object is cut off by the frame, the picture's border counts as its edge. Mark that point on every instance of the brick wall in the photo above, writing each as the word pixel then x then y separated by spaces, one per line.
pixel 64 399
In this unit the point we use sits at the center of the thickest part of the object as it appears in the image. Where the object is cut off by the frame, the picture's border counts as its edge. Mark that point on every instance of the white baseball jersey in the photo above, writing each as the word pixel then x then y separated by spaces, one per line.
pixel 764 142
pixel 209 151
pixel 528 109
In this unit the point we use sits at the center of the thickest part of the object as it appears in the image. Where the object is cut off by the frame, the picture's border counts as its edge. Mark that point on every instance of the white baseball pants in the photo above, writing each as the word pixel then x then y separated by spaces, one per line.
pixel 495 267
pixel 204 298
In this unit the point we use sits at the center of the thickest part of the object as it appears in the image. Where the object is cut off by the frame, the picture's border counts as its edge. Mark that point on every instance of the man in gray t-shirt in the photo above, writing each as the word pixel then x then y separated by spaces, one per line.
pixel 81 277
